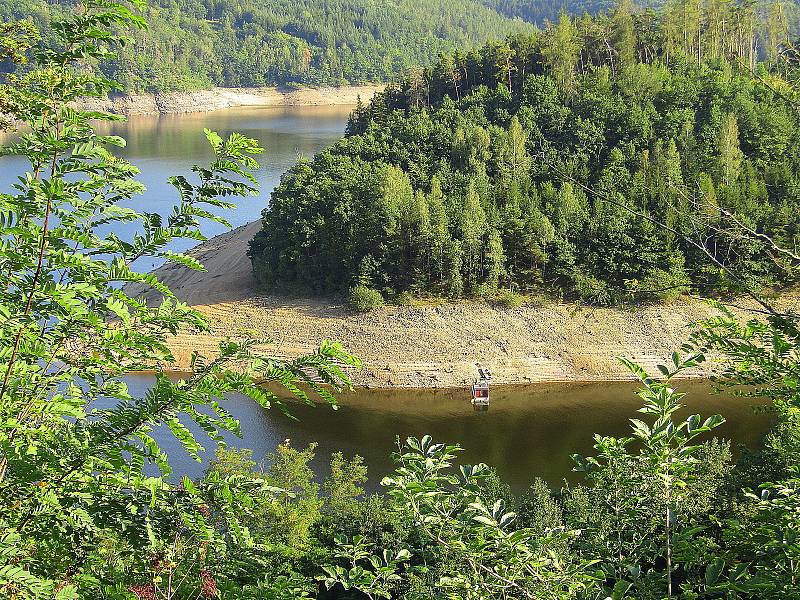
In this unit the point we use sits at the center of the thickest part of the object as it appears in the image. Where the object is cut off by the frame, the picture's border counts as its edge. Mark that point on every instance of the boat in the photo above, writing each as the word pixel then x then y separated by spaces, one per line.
pixel 480 389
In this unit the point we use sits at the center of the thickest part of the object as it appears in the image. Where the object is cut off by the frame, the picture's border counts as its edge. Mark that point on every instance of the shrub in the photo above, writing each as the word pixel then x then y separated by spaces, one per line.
pixel 663 286
pixel 509 299
pixel 364 299
pixel 404 299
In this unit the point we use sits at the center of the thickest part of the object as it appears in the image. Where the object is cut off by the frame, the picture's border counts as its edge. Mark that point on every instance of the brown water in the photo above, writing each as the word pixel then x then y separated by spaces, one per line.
pixel 528 431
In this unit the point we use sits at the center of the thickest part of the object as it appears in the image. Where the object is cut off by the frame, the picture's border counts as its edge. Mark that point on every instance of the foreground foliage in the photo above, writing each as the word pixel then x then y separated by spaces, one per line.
pixel 79 508
pixel 662 513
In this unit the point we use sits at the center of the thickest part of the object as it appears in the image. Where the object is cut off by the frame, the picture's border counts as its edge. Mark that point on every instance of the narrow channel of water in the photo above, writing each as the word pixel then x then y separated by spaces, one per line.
pixel 167 145
pixel 528 432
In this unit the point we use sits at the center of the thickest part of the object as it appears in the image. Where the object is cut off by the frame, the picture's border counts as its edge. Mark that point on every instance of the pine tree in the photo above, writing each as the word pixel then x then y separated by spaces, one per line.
pixel 494 259
pixel 569 212
pixel 453 264
pixel 560 53
pixel 719 25
pixel 396 196
pixel 668 191
pixel 514 237
pixel 776 29
pixel 446 78
pixel 502 61
pixel 358 120
pixel 417 232
pixel 439 232
pixel 623 35
pixel 519 162
pixel 730 154
pixel 682 28
pixel 473 227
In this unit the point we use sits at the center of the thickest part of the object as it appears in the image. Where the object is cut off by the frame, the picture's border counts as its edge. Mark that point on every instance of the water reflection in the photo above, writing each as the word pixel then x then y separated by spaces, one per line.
pixel 529 431
pixel 162 146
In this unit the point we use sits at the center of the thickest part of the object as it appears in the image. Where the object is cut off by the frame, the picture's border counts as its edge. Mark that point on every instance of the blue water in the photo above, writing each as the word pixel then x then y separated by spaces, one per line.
pixel 162 146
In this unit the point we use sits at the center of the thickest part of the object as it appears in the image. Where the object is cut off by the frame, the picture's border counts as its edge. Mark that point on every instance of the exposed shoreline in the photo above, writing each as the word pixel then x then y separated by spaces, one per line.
pixel 428 346
pixel 166 103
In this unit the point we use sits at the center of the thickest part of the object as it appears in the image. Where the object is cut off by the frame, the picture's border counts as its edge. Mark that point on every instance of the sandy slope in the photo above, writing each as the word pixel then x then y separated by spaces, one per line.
pixel 229 276
pixel 436 346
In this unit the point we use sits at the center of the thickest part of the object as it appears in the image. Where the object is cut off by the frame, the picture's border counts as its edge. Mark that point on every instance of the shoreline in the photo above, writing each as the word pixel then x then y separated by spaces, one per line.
pixel 173 103
pixel 429 346
pixel 697 376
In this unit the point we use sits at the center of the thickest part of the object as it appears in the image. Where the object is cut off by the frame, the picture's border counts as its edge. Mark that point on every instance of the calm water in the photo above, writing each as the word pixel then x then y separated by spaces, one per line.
pixel 169 145
pixel 528 431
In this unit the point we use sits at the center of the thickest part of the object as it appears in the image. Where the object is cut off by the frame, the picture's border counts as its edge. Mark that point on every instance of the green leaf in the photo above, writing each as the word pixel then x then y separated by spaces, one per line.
pixel 713 571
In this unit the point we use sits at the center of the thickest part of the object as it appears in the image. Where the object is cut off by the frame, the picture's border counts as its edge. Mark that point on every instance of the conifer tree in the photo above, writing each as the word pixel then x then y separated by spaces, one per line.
pixel 776 29
pixel 416 226
pixel 494 260
pixel 518 154
pixel 560 52
pixel 453 264
pixel 623 35
pixel 439 233
pixel 473 228
pixel 730 154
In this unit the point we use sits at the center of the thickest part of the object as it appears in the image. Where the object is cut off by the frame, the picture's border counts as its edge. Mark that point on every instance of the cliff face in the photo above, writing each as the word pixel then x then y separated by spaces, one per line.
pixel 221 98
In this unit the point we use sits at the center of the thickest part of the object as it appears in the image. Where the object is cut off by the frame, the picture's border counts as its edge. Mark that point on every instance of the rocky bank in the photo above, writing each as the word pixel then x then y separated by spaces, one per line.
pixel 220 98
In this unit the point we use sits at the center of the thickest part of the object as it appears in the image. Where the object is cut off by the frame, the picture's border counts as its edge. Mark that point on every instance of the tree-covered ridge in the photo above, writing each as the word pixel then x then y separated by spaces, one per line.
pixel 195 44
pixel 540 11
pixel 278 42
pixel 547 162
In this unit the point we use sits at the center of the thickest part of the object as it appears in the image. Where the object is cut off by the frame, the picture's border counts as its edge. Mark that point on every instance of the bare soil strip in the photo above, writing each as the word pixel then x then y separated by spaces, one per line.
pixel 221 98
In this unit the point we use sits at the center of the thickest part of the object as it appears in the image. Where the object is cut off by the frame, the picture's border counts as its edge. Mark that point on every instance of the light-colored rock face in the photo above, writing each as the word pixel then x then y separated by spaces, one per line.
pixel 222 98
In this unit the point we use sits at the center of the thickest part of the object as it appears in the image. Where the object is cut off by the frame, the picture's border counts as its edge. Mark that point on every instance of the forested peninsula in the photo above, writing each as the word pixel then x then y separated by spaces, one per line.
pixel 602 159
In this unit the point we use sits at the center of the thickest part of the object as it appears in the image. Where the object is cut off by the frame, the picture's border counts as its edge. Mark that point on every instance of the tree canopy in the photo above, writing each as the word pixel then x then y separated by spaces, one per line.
pixel 235 43
pixel 549 163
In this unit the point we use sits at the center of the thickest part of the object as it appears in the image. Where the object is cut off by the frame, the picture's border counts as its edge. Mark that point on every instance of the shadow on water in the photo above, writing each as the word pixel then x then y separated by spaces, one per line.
pixel 529 431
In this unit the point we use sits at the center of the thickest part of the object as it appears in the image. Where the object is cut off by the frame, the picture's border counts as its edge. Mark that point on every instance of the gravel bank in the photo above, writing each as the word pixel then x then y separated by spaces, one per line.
pixel 221 98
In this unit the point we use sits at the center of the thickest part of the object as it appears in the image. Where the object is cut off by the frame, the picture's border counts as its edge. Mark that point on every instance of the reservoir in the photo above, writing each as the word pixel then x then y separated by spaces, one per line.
pixel 167 145
pixel 529 431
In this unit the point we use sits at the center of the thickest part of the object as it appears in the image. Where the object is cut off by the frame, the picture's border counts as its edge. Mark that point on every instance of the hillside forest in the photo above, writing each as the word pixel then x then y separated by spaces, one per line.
pixel 240 43
pixel 552 162
pixel 243 43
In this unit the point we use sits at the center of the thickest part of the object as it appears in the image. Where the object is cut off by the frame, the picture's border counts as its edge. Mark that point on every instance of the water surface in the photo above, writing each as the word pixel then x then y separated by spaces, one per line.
pixel 528 431
pixel 162 146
